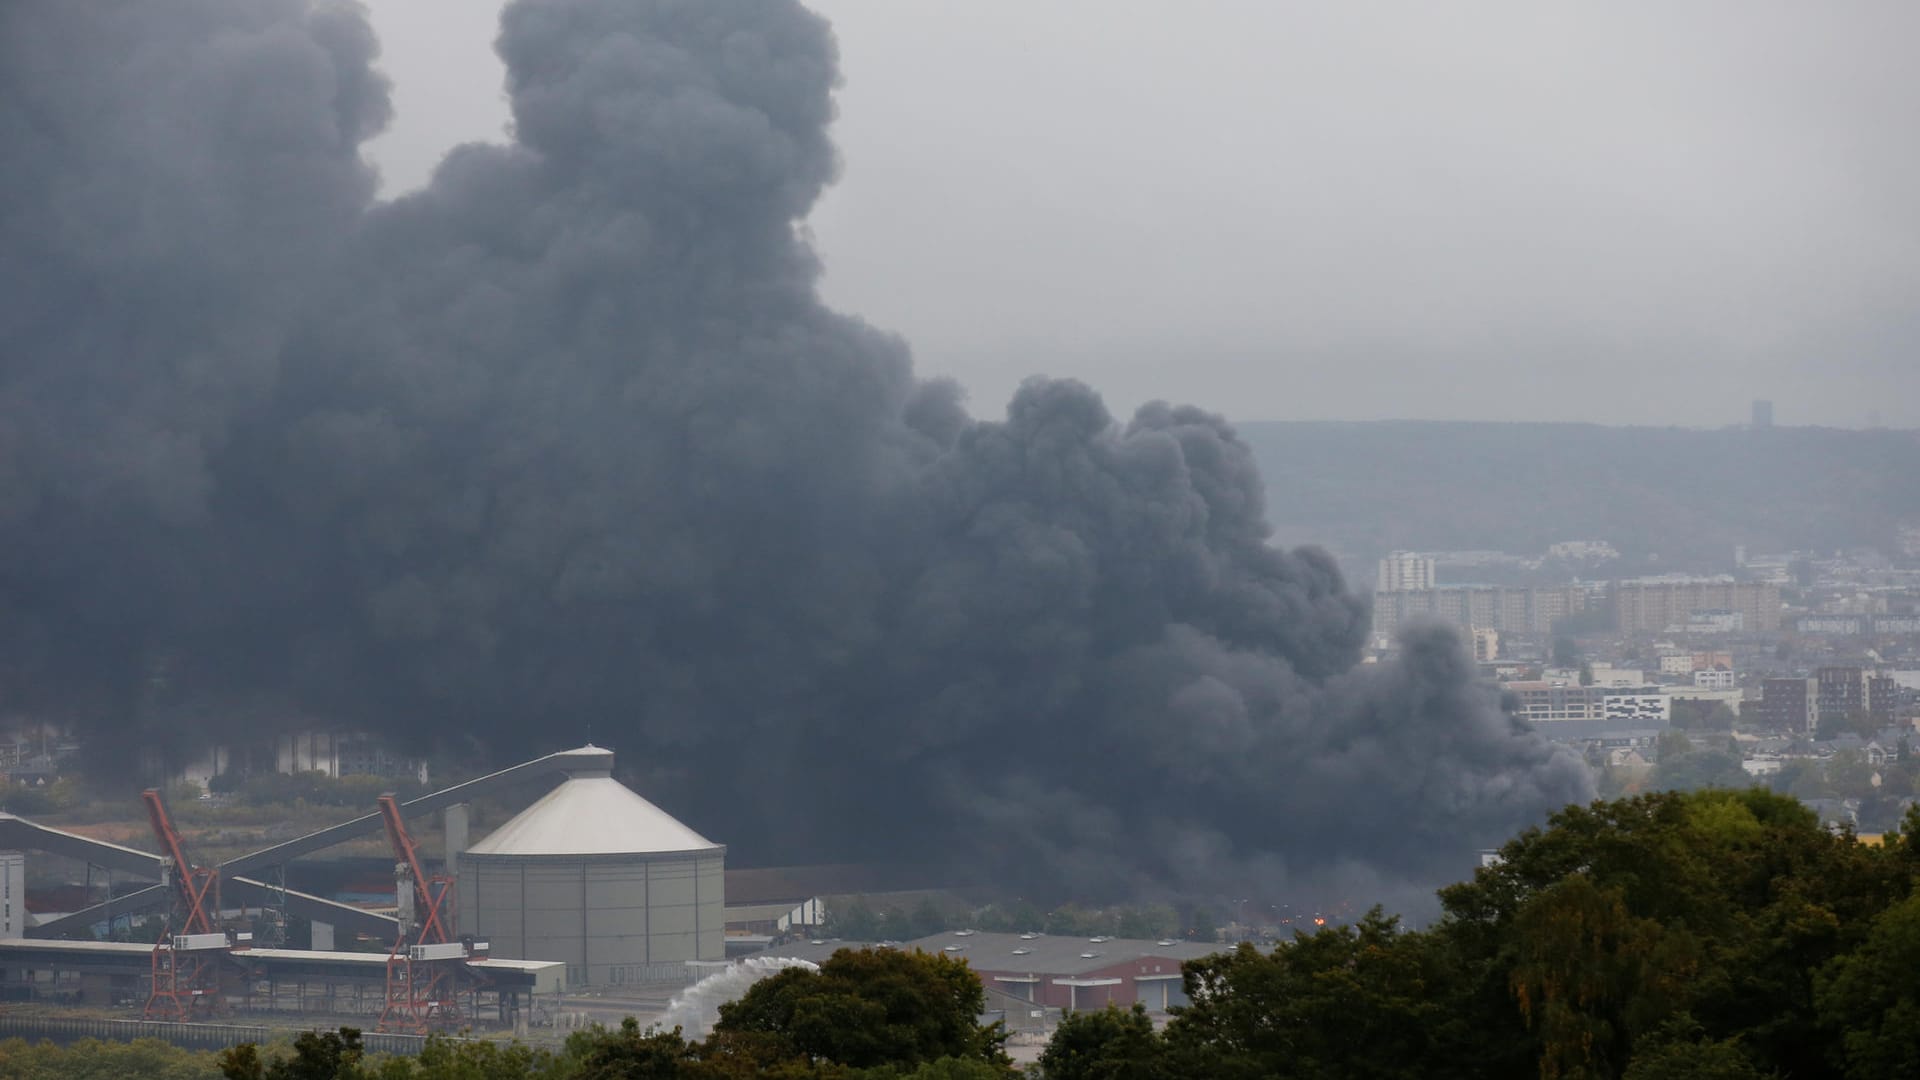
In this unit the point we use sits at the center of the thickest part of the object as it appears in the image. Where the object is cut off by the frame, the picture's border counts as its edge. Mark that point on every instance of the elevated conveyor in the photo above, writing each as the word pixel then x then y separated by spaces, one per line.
pixel 17 833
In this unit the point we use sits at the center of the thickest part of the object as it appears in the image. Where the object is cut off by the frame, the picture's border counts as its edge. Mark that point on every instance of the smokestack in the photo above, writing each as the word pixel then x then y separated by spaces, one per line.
pixel 568 440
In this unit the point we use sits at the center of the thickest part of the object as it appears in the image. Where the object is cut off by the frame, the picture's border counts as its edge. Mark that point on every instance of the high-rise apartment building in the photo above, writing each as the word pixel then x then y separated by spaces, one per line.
pixel 1510 610
pixel 1847 694
pixel 1854 694
pixel 1789 705
pixel 1651 607
pixel 1403 571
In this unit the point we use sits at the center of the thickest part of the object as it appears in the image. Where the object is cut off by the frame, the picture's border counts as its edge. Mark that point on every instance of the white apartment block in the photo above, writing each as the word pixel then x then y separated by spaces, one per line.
pixel 1583 549
pixel 1544 702
pixel 1714 680
pixel 1606 675
pixel 1404 571
pixel 1486 644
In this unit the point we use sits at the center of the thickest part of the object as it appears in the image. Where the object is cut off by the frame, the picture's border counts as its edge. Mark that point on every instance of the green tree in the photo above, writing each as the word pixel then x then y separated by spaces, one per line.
pixel 1870 996
pixel 1018 916
pixel 895 925
pixel 316 1055
pixel 1589 976
pixel 95 1059
pixel 928 918
pixel 1348 1001
pixel 871 1007
pixel 1672 744
pixel 1107 1044
pixel 854 922
pixel 626 1053
pixel 1153 922
pixel 1803 778
pixel 1676 1056
pixel 1699 769
pixel 1849 775
pixel 1718 904
pixel 1072 920
pixel 1690 714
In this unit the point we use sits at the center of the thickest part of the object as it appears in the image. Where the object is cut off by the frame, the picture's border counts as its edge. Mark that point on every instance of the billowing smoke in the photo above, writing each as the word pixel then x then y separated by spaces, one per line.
pixel 566 443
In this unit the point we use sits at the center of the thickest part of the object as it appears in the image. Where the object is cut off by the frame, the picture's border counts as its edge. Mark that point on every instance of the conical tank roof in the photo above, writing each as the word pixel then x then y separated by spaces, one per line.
pixel 592 814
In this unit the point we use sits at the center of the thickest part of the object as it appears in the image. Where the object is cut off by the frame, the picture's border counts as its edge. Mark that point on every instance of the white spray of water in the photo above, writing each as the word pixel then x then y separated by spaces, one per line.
pixel 697 1008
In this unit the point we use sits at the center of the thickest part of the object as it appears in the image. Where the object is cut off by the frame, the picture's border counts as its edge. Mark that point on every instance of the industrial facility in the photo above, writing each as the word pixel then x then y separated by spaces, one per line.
pixel 590 886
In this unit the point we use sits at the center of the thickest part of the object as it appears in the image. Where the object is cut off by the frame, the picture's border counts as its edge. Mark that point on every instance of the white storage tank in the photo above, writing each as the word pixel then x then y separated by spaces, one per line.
pixel 600 879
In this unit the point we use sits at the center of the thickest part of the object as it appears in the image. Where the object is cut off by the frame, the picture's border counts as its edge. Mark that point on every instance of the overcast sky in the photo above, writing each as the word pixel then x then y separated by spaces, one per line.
pixel 1623 213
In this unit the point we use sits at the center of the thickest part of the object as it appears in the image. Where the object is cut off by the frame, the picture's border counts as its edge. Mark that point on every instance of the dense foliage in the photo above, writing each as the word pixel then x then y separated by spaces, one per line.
pixel 95 1059
pixel 1368 488
pixel 1704 934
pixel 868 1008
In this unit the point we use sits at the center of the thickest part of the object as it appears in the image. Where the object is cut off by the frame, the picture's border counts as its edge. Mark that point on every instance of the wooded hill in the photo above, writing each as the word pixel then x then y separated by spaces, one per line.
pixel 1686 495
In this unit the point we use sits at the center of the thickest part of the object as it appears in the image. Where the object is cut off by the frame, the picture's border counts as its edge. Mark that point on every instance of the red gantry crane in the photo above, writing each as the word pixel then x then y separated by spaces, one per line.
pixel 427 968
pixel 186 958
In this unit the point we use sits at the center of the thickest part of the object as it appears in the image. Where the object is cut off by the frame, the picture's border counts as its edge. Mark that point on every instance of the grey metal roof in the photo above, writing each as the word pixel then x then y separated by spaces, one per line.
pixel 815 951
pixel 592 814
pixel 1054 954
pixel 1045 954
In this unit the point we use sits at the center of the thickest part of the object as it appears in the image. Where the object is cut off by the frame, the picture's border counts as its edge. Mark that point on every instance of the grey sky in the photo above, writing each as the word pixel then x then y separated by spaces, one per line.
pixel 1620 213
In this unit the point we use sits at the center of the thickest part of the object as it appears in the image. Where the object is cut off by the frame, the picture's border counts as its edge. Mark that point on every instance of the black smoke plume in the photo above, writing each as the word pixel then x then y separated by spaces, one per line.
pixel 566 442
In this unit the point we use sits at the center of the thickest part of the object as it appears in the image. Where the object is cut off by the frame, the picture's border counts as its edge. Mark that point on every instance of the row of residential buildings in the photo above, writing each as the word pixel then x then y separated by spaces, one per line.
pixel 1636 607
pixel 1626 699
pixel 1851 693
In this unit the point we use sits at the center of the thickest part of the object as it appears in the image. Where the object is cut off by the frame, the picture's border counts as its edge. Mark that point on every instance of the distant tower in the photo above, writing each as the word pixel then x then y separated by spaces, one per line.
pixel 1762 414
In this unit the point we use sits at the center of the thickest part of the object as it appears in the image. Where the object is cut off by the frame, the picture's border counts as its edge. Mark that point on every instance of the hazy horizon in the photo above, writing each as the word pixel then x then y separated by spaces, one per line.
pixel 1355 213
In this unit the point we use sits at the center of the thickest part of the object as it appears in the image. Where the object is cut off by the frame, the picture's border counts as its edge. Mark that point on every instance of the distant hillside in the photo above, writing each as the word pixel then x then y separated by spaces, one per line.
pixel 1686 495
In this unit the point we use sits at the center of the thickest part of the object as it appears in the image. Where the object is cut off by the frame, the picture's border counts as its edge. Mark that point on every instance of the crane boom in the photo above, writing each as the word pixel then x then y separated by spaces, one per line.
pixel 427 968
pixel 186 968
pixel 196 889
pixel 401 840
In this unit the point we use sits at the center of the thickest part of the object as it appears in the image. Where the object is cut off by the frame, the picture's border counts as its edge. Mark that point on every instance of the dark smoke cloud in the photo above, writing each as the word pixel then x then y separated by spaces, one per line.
pixel 566 441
